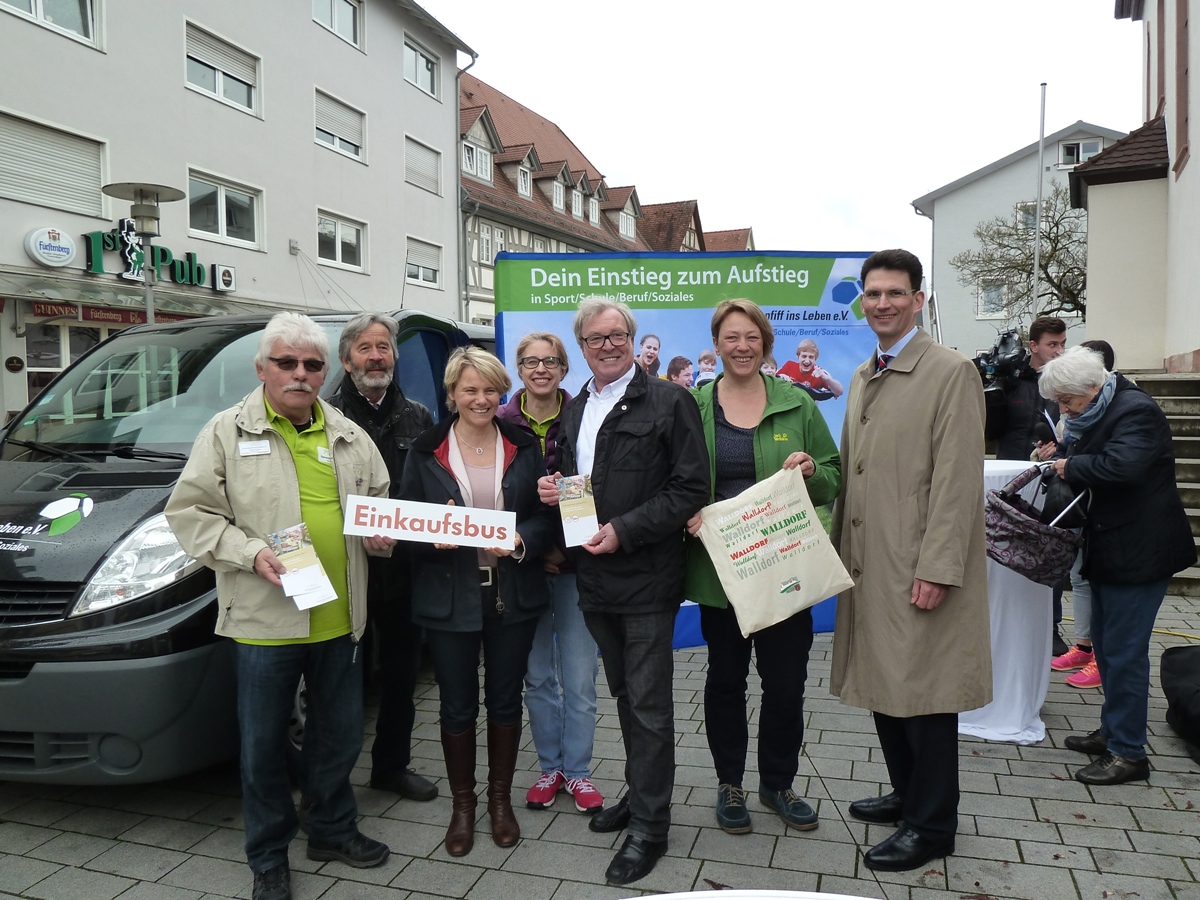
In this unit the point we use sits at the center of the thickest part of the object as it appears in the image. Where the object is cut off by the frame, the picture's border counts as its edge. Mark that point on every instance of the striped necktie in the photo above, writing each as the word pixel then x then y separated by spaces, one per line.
pixel 884 359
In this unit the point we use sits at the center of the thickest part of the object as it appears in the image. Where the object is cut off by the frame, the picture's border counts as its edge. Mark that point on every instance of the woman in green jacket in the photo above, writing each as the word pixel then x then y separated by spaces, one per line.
pixel 755 425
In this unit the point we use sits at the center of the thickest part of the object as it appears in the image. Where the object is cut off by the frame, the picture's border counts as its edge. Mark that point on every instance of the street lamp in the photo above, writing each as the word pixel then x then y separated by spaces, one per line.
pixel 145 214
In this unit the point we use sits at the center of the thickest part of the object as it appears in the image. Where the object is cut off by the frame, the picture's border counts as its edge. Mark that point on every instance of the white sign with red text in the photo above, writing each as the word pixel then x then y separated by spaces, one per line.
pixel 429 523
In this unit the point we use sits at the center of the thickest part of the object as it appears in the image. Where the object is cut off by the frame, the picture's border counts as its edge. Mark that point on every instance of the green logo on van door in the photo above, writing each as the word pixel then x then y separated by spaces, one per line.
pixel 66 513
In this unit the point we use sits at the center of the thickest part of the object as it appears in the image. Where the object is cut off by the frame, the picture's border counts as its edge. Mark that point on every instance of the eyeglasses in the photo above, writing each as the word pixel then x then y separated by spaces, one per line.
pixel 289 363
pixel 894 294
pixel 532 362
pixel 617 339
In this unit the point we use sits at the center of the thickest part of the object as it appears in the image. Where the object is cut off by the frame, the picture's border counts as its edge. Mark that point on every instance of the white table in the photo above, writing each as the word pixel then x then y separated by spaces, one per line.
pixel 1021 620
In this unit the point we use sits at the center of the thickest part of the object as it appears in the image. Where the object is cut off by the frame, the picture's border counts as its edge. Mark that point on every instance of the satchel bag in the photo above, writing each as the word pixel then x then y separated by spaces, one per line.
pixel 1062 506
pixel 771 552
pixel 1019 540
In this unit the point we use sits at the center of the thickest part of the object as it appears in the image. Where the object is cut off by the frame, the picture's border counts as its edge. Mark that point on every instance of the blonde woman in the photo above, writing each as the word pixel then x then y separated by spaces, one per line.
pixel 467 598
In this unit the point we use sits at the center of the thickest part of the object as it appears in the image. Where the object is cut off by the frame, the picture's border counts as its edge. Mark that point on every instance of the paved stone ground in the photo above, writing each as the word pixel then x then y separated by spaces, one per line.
pixel 1027 829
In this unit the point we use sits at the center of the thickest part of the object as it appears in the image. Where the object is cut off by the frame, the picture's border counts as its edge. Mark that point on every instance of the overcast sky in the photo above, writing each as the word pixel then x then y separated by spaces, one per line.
pixel 816 123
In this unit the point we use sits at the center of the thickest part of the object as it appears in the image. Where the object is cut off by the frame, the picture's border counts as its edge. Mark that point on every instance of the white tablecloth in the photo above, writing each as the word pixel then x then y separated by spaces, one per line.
pixel 1021 618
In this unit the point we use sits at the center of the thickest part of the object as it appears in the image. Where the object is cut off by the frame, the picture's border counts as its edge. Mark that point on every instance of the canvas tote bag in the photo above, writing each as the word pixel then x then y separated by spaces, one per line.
pixel 770 551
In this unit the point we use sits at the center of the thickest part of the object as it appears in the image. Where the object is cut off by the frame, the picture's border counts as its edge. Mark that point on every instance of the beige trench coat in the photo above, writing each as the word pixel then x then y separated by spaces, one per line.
pixel 912 506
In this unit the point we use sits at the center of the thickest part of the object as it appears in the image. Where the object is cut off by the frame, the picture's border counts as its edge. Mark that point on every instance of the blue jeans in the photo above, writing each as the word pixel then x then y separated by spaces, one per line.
pixel 333 736
pixel 1081 601
pixel 639 666
pixel 456 668
pixel 1122 620
pixel 560 686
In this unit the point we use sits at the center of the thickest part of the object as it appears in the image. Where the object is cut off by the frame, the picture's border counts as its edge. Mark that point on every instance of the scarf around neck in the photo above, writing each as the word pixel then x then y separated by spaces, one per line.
pixel 1094 411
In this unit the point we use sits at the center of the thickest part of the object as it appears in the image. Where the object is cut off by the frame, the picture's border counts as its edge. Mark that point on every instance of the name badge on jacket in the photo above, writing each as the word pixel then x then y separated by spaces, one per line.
pixel 254 448
pixel 323 455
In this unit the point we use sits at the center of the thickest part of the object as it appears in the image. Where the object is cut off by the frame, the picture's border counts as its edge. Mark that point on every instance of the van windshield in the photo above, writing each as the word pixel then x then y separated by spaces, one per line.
pixel 142 395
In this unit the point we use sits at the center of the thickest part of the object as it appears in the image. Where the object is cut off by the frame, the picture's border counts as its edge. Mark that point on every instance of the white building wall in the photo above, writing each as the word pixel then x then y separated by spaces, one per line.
pixel 1127 304
pixel 955 216
pixel 131 93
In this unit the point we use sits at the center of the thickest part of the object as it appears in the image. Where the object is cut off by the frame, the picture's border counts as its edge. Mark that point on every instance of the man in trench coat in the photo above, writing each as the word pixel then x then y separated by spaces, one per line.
pixel 912 642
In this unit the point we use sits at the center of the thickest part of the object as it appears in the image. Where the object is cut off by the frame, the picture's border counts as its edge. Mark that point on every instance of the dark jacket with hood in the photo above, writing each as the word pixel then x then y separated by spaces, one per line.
pixel 650 475
pixel 1137 531
pixel 446 582
pixel 1023 409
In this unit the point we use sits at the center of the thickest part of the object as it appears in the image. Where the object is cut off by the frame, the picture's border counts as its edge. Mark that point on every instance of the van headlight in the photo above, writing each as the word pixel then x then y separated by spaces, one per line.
pixel 149 559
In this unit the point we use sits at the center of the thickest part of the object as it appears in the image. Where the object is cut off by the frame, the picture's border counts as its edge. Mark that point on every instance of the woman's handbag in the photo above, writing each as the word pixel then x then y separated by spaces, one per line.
pixel 771 552
pixel 1019 540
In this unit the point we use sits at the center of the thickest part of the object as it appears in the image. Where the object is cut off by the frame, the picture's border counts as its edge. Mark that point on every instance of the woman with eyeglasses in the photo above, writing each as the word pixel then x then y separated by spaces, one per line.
pixel 560 685
pixel 467 598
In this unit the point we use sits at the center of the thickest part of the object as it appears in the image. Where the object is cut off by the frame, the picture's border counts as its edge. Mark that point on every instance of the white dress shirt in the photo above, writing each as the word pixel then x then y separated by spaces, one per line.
pixel 895 349
pixel 595 411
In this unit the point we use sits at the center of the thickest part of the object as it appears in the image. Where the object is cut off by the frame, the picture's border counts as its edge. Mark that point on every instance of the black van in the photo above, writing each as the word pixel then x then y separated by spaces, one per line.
pixel 109 668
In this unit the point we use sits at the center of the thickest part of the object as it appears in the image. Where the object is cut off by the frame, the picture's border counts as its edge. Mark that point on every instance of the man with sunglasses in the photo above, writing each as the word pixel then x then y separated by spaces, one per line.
pixel 370 397
pixel 911 642
pixel 279 458
pixel 641 440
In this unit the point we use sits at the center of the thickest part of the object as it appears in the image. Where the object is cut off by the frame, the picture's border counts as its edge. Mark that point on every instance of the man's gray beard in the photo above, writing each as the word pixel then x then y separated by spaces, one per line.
pixel 370 381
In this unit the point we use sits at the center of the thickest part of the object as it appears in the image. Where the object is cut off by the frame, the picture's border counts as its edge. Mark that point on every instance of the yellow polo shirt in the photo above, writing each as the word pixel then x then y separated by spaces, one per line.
pixel 321 509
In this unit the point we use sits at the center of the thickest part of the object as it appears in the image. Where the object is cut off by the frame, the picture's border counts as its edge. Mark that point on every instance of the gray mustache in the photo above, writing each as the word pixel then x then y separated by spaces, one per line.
pixel 298 386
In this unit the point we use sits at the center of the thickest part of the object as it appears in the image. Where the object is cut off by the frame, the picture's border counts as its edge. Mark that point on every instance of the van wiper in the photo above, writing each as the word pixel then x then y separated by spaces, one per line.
pixel 50 450
pixel 128 452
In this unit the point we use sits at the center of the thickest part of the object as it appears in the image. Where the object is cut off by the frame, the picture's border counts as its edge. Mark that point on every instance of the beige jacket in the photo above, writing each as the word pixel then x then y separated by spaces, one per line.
pixel 226 503
pixel 912 507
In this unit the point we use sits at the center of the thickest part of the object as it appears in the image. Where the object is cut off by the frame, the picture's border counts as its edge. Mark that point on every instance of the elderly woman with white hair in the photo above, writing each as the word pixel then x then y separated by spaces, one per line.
pixel 1118 445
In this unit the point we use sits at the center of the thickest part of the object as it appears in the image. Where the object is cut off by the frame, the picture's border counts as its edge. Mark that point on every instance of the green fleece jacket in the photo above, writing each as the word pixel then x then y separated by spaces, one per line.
pixel 791 422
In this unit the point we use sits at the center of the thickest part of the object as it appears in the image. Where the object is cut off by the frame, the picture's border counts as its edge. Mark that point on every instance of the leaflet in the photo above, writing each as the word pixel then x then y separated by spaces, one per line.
pixel 305 580
pixel 577 506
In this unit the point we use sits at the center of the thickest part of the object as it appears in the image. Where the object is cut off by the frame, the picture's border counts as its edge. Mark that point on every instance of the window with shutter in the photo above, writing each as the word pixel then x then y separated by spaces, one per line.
pixel 221 70
pixel 339 126
pixel 48 167
pixel 422 166
pixel 423 263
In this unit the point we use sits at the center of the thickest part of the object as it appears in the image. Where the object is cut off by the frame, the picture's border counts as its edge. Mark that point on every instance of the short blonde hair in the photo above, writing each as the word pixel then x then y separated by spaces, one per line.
pixel 482 362
pixel 553 340
pixel 808 344
pixel 756 315
pixel 708 354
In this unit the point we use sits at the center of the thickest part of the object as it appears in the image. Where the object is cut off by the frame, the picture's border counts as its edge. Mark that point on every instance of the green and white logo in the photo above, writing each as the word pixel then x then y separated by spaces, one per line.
pixel 66 513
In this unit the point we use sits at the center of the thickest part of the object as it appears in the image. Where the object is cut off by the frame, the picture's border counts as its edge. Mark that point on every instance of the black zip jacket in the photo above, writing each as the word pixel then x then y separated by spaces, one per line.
pixel 650 476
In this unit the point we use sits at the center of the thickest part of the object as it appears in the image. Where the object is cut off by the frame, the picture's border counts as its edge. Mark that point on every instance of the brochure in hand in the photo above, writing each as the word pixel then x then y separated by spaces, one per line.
pixel 305 580
pixel 577 506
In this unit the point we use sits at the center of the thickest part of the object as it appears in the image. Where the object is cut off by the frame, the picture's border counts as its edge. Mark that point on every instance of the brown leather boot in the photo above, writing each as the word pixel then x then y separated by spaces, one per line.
pixel 502 741
pixel 459 752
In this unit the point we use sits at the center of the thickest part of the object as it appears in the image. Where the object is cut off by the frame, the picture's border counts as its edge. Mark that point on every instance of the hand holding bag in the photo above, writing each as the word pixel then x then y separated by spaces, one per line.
pixel 771 552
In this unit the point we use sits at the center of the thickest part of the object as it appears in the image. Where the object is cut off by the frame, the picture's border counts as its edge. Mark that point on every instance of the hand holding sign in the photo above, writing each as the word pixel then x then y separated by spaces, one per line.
pixel 445 527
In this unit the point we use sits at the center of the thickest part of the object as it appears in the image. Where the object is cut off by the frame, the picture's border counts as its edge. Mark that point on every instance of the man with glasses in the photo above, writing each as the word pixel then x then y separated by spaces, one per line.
pixel 911 642
pixel 641 440
pixel 370 397
pixel 280 458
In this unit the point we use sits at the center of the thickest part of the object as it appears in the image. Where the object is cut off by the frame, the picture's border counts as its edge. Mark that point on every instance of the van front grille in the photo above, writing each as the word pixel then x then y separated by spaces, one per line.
pixel 33 750
pixel 28 604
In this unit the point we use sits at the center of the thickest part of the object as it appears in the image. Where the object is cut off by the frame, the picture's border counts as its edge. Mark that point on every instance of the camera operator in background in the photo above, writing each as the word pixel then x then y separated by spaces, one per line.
pixel 1017 426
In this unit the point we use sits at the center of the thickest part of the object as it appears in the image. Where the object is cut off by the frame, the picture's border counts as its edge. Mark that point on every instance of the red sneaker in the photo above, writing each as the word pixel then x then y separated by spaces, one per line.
pixel 587 798
pixel 1087 677
pixel 542 794
pixel 1075 658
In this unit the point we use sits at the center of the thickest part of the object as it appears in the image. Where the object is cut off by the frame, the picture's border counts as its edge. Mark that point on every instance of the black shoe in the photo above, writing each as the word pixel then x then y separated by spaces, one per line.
pixel 615 818
pixel 905 850
pixel 791 809
pixel 1057 645
pixel 408 784
pixel 360 851
pixel 732 815
pixel 1113 769
pixel 273 884
pixel 635 859
pixel 885 810
pixel 1093 744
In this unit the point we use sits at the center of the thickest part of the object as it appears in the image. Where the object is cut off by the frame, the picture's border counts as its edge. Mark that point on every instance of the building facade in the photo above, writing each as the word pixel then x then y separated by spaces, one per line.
pixel 314 142
pixel 972 316
pixel 1143 202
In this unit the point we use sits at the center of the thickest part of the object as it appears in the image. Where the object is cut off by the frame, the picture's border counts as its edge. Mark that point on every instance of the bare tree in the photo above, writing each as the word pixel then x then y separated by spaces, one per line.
pixel 1002 267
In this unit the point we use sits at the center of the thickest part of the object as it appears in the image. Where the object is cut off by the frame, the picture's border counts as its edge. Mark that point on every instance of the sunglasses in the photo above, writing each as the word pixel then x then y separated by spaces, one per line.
pixel 289 363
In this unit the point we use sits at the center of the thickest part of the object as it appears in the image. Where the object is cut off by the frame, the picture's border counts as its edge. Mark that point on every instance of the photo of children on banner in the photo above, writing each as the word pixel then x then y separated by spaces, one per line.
pixel 804 371
pixel 771 552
